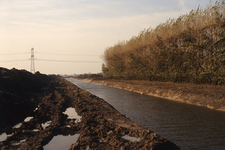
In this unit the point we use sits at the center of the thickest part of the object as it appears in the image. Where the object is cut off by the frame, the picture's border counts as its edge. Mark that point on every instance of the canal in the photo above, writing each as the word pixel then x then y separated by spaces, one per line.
pixel 188 126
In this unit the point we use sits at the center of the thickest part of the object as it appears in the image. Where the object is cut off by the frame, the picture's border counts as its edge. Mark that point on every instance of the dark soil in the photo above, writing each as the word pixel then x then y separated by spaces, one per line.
pixel 101 126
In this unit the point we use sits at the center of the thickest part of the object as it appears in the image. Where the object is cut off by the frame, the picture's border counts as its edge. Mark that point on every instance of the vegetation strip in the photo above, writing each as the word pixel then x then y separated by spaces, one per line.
pixel 188 49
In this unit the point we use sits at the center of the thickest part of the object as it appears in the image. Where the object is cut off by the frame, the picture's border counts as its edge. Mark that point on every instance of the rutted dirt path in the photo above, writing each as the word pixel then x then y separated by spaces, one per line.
pixel 101 126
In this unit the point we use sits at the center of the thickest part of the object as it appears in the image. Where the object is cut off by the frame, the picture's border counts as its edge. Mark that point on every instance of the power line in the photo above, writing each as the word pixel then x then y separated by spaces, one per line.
pixel 52 60
pixel 15 53
pixel 49 54
pixel 15 60
pixel 68 61
pixel 33 58
pixel 66 54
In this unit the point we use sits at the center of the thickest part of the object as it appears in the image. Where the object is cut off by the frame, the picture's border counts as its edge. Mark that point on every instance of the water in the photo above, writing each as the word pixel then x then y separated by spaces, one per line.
pixel 3 136
pixel 17 125
pixel 28 119
pixel 46 124
pixel 188 126
pixel 61 142
pixel 72 114
pixel 130 138
pixel 58 142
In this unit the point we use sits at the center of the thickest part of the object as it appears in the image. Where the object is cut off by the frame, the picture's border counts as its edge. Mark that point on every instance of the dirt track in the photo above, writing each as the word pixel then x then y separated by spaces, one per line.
pixel 101 126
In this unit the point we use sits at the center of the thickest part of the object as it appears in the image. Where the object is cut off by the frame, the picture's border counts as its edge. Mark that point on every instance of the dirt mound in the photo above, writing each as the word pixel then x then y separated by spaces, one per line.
pixel 100 127
pixel 19 90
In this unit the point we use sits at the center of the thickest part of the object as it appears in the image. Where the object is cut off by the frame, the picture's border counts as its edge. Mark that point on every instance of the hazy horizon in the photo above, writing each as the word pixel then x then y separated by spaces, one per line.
pixel 69 37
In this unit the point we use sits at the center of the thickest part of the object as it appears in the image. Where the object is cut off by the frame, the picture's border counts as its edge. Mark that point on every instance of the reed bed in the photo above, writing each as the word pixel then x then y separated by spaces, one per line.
pixel 188 49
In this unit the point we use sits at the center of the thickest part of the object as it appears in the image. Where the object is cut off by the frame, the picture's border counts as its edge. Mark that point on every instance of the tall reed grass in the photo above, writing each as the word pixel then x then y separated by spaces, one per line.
pixel 189 49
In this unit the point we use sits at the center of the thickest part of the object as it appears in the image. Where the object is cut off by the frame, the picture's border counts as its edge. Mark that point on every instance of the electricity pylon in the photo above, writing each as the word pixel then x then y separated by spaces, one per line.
pixel 32 69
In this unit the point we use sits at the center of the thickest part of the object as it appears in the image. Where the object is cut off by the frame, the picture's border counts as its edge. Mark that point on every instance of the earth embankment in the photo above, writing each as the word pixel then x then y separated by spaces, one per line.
pixel 101 126
pixel 210 96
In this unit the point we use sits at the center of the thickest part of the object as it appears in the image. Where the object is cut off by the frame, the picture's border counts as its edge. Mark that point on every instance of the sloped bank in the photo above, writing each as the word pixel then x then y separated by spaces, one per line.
pixel 210 96
pixel 100 126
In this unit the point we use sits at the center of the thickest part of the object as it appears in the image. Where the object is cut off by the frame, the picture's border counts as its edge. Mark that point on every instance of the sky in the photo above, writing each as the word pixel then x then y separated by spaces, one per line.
pixel 70 36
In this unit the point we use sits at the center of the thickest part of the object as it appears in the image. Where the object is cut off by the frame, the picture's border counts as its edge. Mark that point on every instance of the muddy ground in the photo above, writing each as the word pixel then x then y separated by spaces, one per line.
pixel 45 98
pixel 211 96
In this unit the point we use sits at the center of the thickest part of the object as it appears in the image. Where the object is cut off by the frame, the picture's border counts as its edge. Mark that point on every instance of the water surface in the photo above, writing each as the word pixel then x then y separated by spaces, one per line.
pixel 188 126
pixel 61 142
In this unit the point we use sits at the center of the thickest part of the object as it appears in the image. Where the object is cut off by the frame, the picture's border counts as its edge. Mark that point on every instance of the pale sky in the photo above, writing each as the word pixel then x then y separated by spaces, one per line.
pixel 76 32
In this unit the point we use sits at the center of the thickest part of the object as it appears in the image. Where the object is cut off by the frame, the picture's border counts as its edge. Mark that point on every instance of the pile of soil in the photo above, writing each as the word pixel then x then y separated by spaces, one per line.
pixel 45 98
pixel 19 92
pixel 211 96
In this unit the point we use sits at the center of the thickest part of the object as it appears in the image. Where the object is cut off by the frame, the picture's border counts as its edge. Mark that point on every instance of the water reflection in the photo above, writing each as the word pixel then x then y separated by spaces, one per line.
pixel 132 139
pixel 188 126
pixel 72 114
pixel 3 136
pixel 21 141
pixel 28 119
pixel 61 142
pixel 17 125
pixel 46 124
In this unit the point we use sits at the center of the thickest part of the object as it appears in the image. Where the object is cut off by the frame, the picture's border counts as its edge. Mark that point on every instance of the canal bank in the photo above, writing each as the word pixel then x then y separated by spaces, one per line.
pixel 210 96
